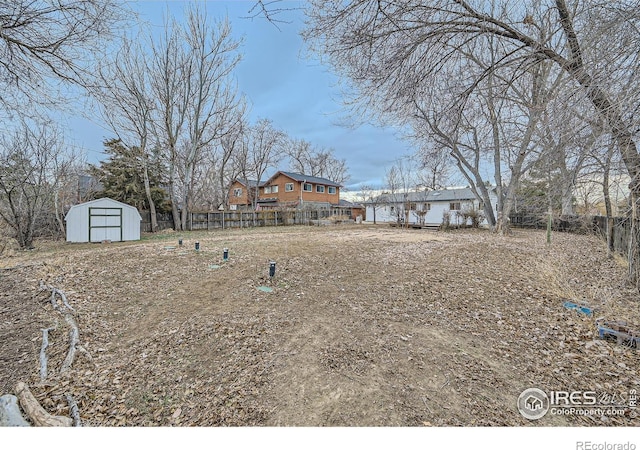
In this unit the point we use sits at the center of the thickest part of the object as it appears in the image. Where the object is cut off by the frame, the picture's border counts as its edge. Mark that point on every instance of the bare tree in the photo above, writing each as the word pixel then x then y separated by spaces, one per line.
pixel 318 162
pixel 230 146
pixel 45 43
pixel 168 68
pixel 369 195
pixel 598 174
pixel 393 185
pixel 479 143
pixel 434 167
pixel 127 106
pixel 197 102
pixel 299 152
pixel 33 163
pixel 384 49
pixel 401 181
pixel 262 150
pixel 212 98
pixel 72 187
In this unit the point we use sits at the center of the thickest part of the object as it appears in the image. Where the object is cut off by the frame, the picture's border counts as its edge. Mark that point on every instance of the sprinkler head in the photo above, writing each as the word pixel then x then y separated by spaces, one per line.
pixel 272 269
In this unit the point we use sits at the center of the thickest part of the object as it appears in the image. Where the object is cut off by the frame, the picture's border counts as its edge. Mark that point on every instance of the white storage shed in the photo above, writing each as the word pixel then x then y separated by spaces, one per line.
pixel 103 220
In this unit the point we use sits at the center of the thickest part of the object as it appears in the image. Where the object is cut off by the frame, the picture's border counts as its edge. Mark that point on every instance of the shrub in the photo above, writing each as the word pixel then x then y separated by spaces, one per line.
pixel 476 216
pixel 446 221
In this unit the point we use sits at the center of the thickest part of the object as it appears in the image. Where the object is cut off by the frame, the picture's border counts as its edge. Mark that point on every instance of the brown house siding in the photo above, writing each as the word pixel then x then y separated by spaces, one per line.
pixel 243 199
pixel 298 194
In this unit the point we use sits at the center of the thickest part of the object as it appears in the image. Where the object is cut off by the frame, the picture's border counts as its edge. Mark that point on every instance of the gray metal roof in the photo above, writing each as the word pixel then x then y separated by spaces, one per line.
pixel 308 178
pixel 249 183
pixel 444 195
pixel 347 204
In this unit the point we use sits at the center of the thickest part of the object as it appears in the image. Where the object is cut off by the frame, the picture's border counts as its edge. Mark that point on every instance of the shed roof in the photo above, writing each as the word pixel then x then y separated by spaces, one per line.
pixel 97 202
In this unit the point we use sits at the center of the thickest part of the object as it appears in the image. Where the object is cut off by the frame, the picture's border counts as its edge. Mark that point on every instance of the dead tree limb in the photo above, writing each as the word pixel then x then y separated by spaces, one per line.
pixel 54 292
pixel 73 409
pixel 63 297
pixel 74 339
pixel 36 413
pixel 29 404
pixel 43 353
pixel 74 334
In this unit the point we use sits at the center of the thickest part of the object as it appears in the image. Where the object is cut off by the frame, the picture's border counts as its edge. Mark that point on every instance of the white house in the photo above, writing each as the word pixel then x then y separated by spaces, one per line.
pixel 101 220
pixel 425 207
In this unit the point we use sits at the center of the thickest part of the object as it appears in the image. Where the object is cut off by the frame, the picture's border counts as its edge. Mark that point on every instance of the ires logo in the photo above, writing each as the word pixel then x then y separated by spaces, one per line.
pixel 574 398
pixel 534 403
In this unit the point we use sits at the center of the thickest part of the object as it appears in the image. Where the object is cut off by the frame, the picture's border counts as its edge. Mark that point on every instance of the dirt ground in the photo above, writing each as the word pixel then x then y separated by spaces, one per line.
pixel 365 326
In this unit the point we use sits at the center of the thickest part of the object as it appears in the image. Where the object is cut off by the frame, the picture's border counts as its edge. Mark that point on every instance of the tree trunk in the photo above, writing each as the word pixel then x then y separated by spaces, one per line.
pixel 176 215
pixel 152 205
pixel 608 210
pixel 567 198
pixel 172 193
pixel 58 213
pixel 183 216
pixel 503 226
pixel 620 131
pixel 633 256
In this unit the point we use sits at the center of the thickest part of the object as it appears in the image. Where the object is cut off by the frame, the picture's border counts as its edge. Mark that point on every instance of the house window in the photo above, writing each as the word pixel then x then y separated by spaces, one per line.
pixel 454 206
pixel 288 187
pixel 332 189
pixel 393 209
pixel 237 192
pixel 319 189
pixel 274 189
pixel 307 187
pixel 413 206
pixel 267 189
pixel 426 207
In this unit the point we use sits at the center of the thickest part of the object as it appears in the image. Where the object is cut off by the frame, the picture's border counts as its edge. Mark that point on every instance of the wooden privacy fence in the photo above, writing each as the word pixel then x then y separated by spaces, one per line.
pixel 620 232
pixel 620 227
pixel 165 221
pixel 239 219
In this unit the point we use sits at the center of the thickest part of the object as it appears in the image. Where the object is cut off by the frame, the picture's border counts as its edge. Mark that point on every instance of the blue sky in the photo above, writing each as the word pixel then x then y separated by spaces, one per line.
pixel 281 83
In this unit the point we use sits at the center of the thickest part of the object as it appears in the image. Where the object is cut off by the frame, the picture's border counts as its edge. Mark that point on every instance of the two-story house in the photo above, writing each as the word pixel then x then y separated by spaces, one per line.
pixel 285 190
pixel 242 193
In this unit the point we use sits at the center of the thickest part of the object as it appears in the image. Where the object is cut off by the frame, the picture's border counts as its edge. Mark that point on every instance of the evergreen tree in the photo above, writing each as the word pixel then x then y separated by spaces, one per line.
pixel 122 179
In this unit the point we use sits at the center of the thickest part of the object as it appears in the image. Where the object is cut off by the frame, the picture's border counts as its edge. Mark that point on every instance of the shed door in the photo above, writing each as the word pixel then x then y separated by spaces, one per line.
pixel 105 224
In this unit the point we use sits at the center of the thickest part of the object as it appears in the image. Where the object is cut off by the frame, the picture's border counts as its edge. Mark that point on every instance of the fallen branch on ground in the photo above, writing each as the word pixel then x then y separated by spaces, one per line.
pixel 74 339
pixel 54 292
pixel 73 408
pixel 29 404
pixel 43 353
pixel 36 413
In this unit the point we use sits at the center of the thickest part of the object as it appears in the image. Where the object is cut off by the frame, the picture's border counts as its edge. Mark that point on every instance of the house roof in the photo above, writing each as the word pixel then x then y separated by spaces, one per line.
pixel 347 204
pixel 444 195
pixel 249 183
pixel 306 178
